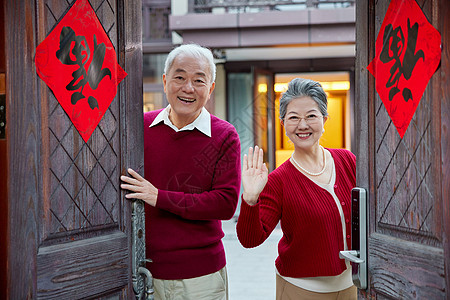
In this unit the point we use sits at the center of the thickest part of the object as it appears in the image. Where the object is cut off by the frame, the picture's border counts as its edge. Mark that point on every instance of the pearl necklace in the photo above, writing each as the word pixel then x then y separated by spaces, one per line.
pixel 311 173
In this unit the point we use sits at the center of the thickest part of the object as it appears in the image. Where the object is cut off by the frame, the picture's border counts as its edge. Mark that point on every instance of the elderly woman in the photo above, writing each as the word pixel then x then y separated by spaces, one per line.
pixel 310 195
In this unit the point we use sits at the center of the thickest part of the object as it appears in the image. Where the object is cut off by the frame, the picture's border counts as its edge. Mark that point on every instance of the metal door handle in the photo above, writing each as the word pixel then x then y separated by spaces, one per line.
pixel 351 255
pixel 148 291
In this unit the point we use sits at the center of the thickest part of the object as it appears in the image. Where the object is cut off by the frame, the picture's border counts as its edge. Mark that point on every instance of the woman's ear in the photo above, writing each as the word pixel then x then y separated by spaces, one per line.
pixel 324 120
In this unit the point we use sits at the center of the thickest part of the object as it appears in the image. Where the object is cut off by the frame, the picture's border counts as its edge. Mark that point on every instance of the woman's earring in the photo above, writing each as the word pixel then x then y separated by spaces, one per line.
pixel 323 130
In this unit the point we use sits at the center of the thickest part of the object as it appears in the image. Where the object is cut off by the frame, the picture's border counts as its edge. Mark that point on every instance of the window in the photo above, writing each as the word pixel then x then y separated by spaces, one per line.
pixel 153 68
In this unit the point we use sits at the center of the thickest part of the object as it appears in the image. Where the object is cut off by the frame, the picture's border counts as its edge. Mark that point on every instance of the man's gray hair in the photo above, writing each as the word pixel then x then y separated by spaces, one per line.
pixel 196 51
pixel 299 87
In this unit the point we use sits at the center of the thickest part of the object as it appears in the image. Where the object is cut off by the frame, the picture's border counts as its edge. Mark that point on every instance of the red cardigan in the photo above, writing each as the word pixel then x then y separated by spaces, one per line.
pixel 310 220
pixel 198 181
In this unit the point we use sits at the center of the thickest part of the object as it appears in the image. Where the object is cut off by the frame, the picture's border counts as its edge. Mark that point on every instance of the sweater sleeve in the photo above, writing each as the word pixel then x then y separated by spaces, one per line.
pixel 218 203
pixel 257 222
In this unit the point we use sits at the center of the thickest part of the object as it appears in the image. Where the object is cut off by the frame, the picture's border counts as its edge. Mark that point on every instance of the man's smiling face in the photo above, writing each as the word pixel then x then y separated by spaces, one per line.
pixel 188 87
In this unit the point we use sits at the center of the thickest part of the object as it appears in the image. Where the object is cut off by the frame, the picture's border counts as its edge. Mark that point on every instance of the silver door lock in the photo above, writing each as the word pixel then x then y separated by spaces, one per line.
pixel 358 255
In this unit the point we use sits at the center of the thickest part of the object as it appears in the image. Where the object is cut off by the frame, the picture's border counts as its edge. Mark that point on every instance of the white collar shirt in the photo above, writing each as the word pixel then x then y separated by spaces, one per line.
pixel 202 122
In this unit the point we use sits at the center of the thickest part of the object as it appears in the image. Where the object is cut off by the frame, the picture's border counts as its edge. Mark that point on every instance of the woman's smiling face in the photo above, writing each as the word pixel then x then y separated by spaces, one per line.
pixel 304 122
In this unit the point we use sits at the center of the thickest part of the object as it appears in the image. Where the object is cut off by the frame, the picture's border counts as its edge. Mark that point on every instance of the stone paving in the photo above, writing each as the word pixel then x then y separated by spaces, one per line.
pixel 251 272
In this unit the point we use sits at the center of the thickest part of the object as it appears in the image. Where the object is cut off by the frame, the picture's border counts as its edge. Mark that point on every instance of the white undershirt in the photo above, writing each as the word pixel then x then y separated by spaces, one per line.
pixel 327 284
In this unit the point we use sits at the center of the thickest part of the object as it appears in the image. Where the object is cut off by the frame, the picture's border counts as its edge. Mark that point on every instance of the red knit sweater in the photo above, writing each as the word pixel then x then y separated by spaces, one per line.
pixel 310 220
pixel 198 181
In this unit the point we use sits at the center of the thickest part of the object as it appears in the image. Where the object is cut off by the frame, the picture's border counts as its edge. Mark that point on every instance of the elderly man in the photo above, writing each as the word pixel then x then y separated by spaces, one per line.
pixel 192 181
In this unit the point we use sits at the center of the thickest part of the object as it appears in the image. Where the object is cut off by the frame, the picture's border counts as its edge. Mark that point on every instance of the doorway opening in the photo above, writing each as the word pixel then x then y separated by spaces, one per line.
pixel 253 108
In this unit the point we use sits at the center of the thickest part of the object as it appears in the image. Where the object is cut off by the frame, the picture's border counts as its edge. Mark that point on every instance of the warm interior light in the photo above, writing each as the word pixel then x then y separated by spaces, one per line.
pixel 281 87
pixel 262 88
pixel 336 85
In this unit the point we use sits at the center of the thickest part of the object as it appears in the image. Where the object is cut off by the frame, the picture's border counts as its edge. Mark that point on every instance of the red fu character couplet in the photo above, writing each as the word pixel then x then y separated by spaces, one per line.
pixel 78 63
pixel 407 53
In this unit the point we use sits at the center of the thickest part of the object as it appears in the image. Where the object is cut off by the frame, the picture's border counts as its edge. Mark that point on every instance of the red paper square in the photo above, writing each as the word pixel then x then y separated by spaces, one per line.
pixel 78 63
pixel 407 53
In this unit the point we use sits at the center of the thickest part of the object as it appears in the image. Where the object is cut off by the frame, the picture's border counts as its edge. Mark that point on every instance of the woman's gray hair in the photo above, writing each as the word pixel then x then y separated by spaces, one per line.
pixel 299 87
pixel 196 51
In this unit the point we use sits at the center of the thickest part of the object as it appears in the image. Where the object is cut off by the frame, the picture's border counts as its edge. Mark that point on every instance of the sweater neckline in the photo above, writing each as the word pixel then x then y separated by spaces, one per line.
pixel 332 179
pixel 333 174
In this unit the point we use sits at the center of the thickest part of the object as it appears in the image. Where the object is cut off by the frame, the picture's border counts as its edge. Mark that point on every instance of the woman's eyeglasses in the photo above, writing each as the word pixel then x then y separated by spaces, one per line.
pixel 309 119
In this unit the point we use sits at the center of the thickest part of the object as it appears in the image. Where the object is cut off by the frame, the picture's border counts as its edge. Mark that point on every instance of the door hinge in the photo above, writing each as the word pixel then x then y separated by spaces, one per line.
pixel 2 116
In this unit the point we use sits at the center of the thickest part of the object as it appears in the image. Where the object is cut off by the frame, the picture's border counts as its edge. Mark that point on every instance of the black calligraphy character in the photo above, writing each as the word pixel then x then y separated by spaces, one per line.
pixel 71 45
pixel 393 46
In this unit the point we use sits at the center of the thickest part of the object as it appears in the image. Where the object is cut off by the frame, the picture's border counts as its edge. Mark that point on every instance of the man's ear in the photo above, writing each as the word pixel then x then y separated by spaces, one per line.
pixel 211 89
pixel 164 82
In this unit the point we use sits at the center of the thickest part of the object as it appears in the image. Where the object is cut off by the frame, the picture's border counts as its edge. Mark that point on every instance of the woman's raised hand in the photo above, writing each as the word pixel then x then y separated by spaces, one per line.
pixel 254 175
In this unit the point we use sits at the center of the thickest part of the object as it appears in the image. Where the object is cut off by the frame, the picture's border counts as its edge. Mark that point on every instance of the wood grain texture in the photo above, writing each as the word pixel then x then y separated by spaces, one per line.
pixel 406 270
pixel 408 178
pixel 364 94
pixel 3 163
pixel 90 259
pixel 131 95
pixel 83 268
pixel 443 97
pixel 405 167
pixel 132 128
pixel 24 177
pixel 83 176
pixel 361 94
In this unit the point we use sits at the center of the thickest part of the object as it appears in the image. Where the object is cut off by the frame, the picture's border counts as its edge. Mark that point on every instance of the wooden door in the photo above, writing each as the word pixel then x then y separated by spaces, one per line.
pixel 3 152
pixel 407 179
pixel 69 223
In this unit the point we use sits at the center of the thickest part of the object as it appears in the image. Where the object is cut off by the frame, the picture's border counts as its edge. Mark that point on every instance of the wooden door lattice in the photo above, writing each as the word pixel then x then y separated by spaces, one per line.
pixel 84 193
pixel 403 172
